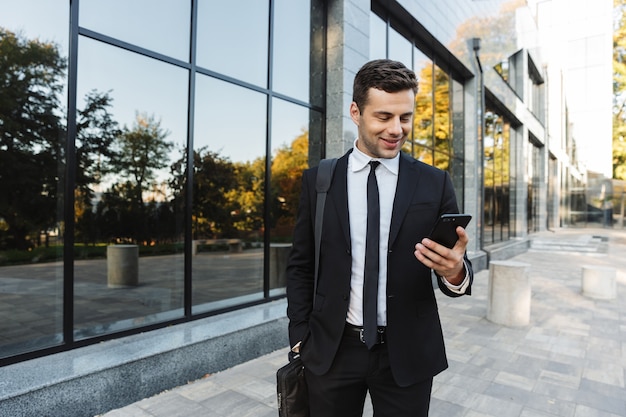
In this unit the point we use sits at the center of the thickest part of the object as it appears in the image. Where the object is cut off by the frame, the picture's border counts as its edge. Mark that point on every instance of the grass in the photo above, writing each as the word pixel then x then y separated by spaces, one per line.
pixel 98 251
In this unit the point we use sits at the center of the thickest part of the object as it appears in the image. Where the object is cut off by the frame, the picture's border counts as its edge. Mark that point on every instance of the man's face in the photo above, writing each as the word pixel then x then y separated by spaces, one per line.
pixel 384 123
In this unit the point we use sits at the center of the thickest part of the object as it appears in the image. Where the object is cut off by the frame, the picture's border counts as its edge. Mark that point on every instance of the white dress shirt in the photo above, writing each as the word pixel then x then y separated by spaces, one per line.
pixel 387 178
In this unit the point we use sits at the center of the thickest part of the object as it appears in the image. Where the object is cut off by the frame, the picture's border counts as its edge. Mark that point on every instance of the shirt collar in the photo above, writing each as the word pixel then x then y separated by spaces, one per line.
pixel 361 160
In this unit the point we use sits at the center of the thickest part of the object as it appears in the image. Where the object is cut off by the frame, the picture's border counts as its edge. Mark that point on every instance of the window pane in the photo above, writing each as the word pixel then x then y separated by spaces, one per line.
pixel 424 154
pixel 159 25
pixel 228 194
pixel 33 39
pixel 443 138
pixel 423 119
pixel 292 48
pixel 290 145
pixel 457 169
pixel 378 37
pixel 233 38
pixel 129 231
pixel 497 167
pixel 399 48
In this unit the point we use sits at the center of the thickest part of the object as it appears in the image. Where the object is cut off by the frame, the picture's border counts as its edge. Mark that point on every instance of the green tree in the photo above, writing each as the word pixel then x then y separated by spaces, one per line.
pixel 31 137
pixel 246 198
pixel 141 152
pixel 287 166
pixel 96 133
pixel 214 178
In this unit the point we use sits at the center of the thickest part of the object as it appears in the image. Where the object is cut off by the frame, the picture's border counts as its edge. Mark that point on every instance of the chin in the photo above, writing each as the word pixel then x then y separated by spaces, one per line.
pixel 389 154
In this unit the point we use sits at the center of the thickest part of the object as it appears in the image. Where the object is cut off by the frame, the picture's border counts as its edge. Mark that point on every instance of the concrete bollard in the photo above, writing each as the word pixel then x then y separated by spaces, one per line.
pixel 122 266
pixel 509 293
pixel 279 253
pixel 599 282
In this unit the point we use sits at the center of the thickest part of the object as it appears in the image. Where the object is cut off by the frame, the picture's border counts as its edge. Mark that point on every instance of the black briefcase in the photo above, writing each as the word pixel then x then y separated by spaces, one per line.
pixel 293 397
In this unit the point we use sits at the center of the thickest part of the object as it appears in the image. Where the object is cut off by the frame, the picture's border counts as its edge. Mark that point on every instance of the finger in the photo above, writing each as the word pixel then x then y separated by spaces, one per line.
pixel 438 248
pixel 429 255
pixel 423 254
pixel 463 238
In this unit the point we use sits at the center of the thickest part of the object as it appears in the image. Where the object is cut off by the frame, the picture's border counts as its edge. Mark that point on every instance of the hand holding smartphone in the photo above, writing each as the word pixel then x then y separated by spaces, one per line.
pixel 444 231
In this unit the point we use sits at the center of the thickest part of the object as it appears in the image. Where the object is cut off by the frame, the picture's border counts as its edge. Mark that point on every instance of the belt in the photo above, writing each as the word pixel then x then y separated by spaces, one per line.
pixel 381 336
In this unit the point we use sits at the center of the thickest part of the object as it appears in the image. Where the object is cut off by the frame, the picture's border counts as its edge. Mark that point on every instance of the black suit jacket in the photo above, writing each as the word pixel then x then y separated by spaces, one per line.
pixel 414 335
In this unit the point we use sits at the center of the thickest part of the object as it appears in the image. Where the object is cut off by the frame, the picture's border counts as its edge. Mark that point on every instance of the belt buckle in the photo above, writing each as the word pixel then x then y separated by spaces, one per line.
pixel 379 333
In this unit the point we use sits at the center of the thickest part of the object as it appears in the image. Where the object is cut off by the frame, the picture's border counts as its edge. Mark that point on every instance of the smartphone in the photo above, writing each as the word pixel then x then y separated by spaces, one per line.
pixel 444 231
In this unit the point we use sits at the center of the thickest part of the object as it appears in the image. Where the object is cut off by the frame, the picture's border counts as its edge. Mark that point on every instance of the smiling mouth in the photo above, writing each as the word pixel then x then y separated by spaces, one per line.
pixel 390 141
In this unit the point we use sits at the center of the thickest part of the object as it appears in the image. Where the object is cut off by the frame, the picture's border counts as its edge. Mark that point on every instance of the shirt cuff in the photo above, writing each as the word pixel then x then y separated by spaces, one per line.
pixel 458 289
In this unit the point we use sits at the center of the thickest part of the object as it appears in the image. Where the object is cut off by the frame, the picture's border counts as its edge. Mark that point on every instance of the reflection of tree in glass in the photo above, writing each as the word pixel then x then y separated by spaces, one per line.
pixel 229 197
pixel 619 91
pixel 423 118
pixel 96 132
pixel 431 124
pixel 31 138
pixel 246 199
pixel 497 35
pixel 142 151
pixel 287 166
pixel 496 150
pixel 214 177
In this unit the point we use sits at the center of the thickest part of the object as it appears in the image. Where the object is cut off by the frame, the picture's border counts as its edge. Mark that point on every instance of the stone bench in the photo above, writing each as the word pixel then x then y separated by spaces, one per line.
pixel 599 282
pixel 234 245
pixel 509 293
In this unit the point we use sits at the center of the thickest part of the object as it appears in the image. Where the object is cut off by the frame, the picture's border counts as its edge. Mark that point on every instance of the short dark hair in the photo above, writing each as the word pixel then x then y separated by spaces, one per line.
pixel 382 74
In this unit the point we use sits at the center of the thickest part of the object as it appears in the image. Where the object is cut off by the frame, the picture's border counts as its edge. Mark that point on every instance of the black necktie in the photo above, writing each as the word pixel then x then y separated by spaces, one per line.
pixel 370 286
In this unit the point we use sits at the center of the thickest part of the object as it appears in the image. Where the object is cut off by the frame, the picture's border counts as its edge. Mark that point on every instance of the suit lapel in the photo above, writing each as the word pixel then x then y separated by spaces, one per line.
pixel 408 178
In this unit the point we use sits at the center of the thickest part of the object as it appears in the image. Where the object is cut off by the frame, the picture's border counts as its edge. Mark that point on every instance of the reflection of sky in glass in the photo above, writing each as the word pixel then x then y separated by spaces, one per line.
pixel 158 25
pixel 399 48
pixel 138 84
pixel 292 25
pixel 288 122
pixel 420 61
pixel 230 120
pixel 232 38
pixel 47 20
pixel 378 37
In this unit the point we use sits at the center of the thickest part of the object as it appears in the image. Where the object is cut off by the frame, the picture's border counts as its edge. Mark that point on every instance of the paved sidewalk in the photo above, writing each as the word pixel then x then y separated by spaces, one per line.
pixel 569 361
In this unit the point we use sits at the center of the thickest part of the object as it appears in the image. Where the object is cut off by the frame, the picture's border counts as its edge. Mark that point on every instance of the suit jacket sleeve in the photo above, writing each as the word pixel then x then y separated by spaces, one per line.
pixel 449 205
pixel 301 263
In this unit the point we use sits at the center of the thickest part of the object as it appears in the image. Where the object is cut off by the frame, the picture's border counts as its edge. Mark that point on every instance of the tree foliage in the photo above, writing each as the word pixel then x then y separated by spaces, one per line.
pixel 120 194
pixel 619 90
pixel 31 137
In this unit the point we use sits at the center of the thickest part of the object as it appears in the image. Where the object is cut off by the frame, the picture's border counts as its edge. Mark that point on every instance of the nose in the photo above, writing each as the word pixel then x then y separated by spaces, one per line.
pixel 395 126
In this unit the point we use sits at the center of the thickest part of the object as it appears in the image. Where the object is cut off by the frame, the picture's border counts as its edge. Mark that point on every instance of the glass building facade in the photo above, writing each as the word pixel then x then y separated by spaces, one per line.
pixel 151 151
pixel 151 159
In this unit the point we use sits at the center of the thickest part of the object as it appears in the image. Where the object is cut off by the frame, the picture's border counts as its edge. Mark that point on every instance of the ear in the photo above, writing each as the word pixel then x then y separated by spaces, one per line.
pixel 355 113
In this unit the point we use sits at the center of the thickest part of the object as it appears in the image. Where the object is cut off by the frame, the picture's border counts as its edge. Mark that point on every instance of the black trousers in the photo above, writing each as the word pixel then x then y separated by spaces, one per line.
pixel 341 392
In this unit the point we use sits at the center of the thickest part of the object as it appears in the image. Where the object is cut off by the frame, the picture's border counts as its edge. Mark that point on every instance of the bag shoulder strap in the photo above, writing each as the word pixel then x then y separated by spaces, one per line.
pixel 322 184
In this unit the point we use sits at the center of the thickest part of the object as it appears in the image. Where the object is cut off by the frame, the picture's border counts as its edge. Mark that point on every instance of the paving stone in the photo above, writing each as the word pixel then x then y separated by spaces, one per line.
pixel 570 361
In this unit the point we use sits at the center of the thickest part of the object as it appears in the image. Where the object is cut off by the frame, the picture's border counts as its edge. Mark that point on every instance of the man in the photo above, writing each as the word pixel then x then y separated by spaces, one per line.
pixel 343 357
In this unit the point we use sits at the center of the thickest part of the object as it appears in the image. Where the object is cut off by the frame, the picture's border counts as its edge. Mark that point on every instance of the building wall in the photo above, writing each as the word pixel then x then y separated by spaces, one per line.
pixel 515 32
